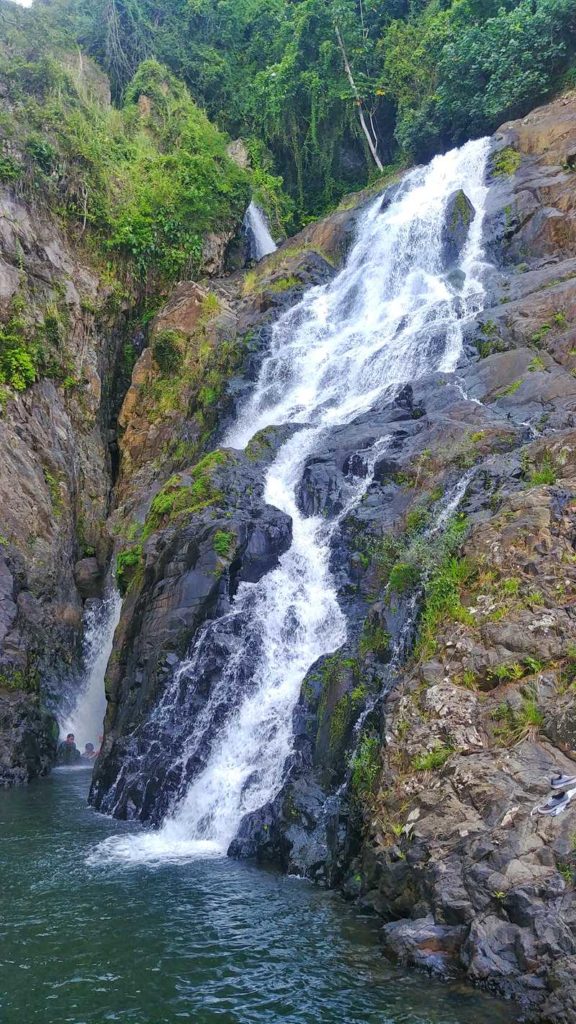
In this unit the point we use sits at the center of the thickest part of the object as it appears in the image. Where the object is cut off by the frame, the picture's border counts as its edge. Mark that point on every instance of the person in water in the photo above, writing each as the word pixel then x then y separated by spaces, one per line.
pixel 68 752
pixel 89 753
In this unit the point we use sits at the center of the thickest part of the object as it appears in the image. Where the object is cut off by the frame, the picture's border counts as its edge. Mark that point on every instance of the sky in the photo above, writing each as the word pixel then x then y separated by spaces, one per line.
pixel 24 3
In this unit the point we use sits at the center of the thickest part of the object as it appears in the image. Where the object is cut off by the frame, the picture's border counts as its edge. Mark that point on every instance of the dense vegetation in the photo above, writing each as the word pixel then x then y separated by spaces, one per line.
pixel 425 74
pixel 150 179
pixel 140 186
pixel 325 93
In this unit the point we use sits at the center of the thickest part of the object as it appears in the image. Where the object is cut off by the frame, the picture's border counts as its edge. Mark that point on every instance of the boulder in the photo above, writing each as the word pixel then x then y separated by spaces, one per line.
pixel 28 738
pixel 88 577
pixel 458 217
pixel 424 944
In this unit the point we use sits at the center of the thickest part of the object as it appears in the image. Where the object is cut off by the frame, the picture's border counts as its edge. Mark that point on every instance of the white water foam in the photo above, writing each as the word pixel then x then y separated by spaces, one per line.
pixel 390 316
pixel 258 233
pixel 85 719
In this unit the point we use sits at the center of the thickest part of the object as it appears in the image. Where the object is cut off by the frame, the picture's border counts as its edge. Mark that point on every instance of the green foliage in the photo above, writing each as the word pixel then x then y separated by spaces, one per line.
pixel 503 673
pixel 128 563
pixel 442 599
pixel 417 518
pixel 26 681
pixel 178 183
pixel 543 472
pixel 53 485
pixel 515 724
pixel 462 68
pixel 429 74
pixel 510 389
pixel 283 284
pixel 403 577
pixel 506 162
pixel 223 543
pixel 467 680
pixel 539 335
pixel 536 364
pixel 19 356
pixel 488 346
pixel 41 152
pixel 10 170
pixel 532 664
pixel 144 184
pixel 432 760
pixel 29 350
pixel 178 498
pixel 167 351
pixel 374 640
pixel 365 767
pixel 567 873
pixel 510 586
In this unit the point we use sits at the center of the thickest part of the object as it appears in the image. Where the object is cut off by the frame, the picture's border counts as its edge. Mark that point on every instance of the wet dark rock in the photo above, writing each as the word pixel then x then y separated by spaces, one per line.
pixel 459 215
pixel 560 1006
pixel 186 583
pixel 424 944
pixel 88 577
pixel 28 738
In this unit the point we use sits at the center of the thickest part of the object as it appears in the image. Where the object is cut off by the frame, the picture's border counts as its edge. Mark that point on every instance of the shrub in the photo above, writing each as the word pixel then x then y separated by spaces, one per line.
pixel 403 577
pixel 543 473
pixel 223 542
pixel 365 766
pixel 510 586
pixel 516 724
pixel 417 518
pixel 442 600
pixel 167 351
pixel 506 162
pixel 127 565
pixel 18 356
pixel 432 760
pixel 42 153
pixel 176 499
pixel 10 170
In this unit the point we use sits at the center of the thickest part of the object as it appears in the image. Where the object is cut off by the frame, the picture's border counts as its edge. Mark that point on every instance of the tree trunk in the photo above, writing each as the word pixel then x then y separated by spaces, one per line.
pixel 371 140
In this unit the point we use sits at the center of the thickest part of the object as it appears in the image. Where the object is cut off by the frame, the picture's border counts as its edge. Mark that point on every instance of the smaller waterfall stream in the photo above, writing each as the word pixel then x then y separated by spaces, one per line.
pixel 390 316
pixel 255 226
pixel 85 718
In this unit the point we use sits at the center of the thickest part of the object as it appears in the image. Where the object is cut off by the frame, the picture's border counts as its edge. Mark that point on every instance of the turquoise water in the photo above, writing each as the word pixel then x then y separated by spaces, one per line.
pixel 213 942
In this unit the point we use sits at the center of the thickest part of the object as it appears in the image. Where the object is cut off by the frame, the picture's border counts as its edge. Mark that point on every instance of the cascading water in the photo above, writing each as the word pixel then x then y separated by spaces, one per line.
pixel 255 226
pixel 391 315
pixel 86 716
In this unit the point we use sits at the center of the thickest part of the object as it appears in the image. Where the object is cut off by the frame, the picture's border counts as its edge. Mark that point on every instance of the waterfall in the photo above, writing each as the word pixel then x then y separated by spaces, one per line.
pixel 85 718
pixel 259 239
pixel 391 315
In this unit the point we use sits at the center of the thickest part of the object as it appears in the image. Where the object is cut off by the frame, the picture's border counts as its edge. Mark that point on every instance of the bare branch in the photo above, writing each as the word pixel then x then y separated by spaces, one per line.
pixel 372 140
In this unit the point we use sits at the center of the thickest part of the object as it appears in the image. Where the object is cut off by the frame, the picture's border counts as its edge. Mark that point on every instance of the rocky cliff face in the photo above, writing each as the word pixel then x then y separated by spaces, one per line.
pixel 191 522
pixel 445 749
pixel 481 715
pixel 68 335
pixel 55 471
pixel 415 768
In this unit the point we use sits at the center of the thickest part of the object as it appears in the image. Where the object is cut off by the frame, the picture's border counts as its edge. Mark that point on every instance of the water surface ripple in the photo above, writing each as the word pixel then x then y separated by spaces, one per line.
pixel 208 941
